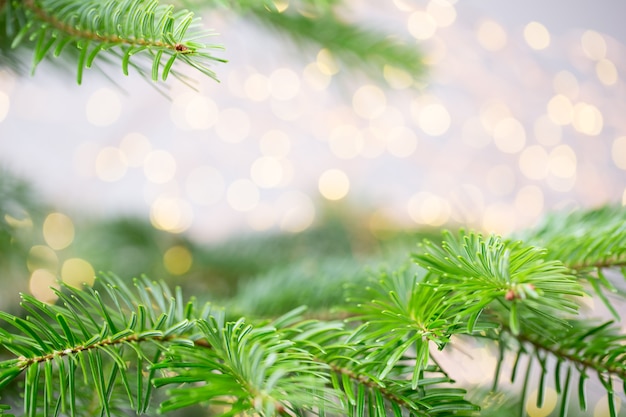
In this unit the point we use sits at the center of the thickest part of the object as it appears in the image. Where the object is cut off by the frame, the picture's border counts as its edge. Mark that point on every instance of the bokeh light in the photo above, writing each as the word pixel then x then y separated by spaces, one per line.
pixel 369 101
pixel 159 166
pixel 550 398
pixel 618 152
pixel 177 260
pixel 491 35
pixel 509 135
pixel 593 45
pixel 334 184
pixel 171 214
pixel 434 119
pixel 428 209
pixel 135 147
pixel 42 257
pixel 58 231
pixel 205 185
pixel 243 195
pixel 4 105
pixel 77 272
pixel 537 36
pixel 233 125
pixel 103 107
pixel 111 164
pixel 41 285
pixel 422 25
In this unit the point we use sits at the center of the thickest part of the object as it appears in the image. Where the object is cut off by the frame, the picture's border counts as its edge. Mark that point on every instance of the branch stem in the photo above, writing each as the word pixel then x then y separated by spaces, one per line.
pixel 70 30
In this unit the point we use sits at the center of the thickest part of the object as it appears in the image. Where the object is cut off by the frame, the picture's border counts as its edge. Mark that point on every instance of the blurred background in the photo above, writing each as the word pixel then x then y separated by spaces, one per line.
pixel 300 164
pixel 514 110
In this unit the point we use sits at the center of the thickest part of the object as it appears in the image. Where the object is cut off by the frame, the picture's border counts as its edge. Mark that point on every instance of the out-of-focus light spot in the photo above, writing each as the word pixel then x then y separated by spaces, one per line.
pixel 421 25
pixel 536 36
pixel 275 143
pixel 380 225
pixel 602 407
pixel 594 45
pixel 562 185
pixel 111 164
pixel 334 184
pixel 135 148
pixel 266 172
pixel 204 185
pixel 618 152
pixel 191 111
pixel 467 201
pixel 501 180
pixel 58 231
pixel 491 113
pixel 281 5
pixel 298 211
pixel 4 105
pixel 345 141
pixel 40 285
pixel 587 119
pixel 434 119
pixel 529 201
pixel 498 219
pixel 387 120
pixel 397 78
pixel 436 52
pixel 491 35
pixel 159 166
pixel 103 107
pixel 201 113
pixel 549 403
pixel 42 257
pixel 243 195
pixel 429 209
pixel 284 84
pixel 23 221
pixel 473 133
pixel 171 214
pixel 285 110
pixel 326 62
pixel 606 72
pixel 233 125
pixel 442 11
pixel 566 84
pixel 77 272
pixel 315 77
pixel 509 135
pixel 560 110
pixel 369 101
pixel 374 143
pixel 401 142
pixel 403 5
pixel 533 162
pixel 562 162
pixel 546 131
pixel 257 87
pixel 263 217
pixel 177 260
pixel 624 197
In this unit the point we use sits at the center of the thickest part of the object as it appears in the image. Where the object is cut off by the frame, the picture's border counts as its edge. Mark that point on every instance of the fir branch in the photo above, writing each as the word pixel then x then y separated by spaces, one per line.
pixel 86 334
pixel 585 347
pixel 359 48
pixel 583 239
pixel 120 27
pixel 516 275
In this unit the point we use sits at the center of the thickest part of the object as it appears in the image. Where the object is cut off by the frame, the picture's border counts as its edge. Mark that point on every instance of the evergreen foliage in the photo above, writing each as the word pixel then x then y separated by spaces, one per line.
pixel 308 326
pixel 139 347
pixel 151 37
